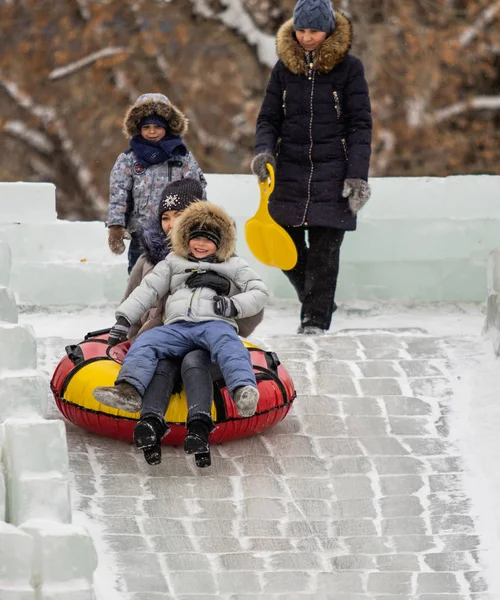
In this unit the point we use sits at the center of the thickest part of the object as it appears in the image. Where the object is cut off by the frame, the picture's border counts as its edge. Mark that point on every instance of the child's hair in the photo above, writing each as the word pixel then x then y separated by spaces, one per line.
pixel 209 218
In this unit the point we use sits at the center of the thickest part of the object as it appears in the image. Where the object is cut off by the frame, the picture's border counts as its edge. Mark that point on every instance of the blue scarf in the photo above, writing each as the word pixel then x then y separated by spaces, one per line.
pixel 153 153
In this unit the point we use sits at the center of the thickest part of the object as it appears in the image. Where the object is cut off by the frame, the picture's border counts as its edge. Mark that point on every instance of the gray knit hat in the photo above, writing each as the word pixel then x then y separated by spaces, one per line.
pixel 314 14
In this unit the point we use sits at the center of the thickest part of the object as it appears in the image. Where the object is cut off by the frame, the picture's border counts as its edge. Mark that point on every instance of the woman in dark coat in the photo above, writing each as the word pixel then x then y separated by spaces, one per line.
pixel 314 128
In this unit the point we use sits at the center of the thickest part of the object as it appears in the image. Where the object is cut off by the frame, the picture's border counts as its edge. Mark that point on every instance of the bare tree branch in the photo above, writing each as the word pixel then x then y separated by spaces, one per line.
pixel 383 158
pixel 61 72
pixel 345 7
pixel 484 19
pixel 48 116
pixel 83 7
pixel 31 137
pixel 123 83
pixel 205 138
pixel 478 103
pixel 237 18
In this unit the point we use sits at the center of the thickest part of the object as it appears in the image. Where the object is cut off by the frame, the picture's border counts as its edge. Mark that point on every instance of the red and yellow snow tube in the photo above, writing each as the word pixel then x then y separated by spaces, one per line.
pixel 94 363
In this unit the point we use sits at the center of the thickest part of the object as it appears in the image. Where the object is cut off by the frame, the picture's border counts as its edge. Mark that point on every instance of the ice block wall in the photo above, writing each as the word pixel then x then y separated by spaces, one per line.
pixel 418 239
pixel 492 324
pixel 43 556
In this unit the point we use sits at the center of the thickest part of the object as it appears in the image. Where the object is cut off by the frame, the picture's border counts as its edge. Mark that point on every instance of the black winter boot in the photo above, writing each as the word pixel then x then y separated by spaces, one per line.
pixel 196 440
pixel 148 434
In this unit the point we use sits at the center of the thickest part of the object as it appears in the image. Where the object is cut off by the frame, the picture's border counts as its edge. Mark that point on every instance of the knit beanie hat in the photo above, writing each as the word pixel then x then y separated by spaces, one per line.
pixel 153 120
pixel 314 14
pixel 210 232
pixel 179 195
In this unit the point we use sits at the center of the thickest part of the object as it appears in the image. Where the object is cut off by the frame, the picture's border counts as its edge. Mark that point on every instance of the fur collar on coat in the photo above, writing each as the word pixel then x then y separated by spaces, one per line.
pixel 154 242
pixel 211 216
pixel 176 120
pixel 330 54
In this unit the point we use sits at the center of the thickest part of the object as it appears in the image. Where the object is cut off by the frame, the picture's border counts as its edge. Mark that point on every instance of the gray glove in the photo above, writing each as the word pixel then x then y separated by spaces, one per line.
pixel 119 332
pixel 224 307
pixel 358 191
pixel 259 165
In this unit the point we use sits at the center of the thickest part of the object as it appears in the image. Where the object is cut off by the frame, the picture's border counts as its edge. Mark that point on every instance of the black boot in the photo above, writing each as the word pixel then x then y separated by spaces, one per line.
pixel 196 440
pixel 148 434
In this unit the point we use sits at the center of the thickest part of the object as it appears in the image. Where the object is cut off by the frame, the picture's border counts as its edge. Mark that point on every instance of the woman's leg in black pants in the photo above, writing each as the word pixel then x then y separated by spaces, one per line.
pixel 297 275
pixel 315 275
pixel 151 427
pixel 198 374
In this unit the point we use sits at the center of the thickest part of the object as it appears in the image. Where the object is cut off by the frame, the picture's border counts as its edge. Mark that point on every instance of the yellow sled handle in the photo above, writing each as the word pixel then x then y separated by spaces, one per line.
pixel 268 241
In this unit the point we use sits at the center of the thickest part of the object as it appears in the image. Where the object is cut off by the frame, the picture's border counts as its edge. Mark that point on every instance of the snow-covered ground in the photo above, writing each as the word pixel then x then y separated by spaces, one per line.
pixel 381 483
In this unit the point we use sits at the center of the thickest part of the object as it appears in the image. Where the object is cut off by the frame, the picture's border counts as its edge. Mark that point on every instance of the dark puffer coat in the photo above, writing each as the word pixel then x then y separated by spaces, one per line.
pixel 316 119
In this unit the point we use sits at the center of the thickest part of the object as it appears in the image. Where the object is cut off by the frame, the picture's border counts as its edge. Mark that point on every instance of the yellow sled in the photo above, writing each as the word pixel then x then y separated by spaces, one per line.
pixel 268 241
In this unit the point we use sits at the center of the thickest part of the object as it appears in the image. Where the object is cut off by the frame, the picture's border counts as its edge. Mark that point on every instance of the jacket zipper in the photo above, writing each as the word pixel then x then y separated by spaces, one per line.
pixel 311 76
pixel 190 306
pixel 337 104
pixel 284 102
pixel 344 145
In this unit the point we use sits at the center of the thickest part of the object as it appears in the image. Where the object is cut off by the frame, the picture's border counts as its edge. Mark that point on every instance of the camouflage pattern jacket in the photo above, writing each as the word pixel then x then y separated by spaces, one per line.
pixel 135 192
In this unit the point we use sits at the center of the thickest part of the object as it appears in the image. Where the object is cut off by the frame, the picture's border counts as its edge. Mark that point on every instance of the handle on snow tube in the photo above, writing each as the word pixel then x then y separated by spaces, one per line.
pixel 92 334
pixel 75 354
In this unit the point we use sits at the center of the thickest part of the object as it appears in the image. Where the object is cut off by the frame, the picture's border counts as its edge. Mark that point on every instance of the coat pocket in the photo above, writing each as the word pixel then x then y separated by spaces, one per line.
pixel 284 102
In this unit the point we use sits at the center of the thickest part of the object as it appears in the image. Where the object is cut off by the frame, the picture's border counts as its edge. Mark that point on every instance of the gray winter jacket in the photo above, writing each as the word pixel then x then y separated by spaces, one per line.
pixel 249 294
pixel 132 186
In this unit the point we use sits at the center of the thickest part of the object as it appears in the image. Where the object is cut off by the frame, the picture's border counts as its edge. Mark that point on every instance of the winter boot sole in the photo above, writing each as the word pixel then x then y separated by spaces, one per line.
pixel 152 455
pixel 246 399
pixel 194 444
pixel 203 459
pixel 144 435
pixel 119 396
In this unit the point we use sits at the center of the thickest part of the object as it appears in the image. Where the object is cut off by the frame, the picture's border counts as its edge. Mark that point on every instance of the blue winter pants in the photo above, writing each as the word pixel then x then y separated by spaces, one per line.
pixel 176 340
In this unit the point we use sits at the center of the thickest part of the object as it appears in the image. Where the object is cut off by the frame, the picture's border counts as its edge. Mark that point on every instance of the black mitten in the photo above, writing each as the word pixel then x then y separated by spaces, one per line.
pixel 210 279
pixel 224 307
pixel 119 332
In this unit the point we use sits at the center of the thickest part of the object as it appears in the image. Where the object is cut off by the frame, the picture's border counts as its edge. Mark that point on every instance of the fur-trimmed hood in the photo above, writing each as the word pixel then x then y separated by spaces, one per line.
pixel 154 242
pixel 331 53
pixel 149 104
pixel 210 215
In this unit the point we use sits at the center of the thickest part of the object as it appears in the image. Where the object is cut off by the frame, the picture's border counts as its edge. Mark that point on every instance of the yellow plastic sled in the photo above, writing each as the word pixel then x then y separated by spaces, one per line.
pixel 268 241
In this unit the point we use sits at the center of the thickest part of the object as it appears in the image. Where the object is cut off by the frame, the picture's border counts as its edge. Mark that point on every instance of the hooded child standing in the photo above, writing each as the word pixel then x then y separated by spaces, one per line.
pixel 315 129
pixel 156 157
pixel 203 239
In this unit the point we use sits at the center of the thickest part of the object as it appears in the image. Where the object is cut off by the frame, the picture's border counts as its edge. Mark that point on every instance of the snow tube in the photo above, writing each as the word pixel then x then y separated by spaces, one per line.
pixel 94 363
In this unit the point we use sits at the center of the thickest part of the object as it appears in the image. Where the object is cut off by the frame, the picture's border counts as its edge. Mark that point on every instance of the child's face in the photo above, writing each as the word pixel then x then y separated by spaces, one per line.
pixel 310 39
pixel 167 220
pixel 200 247
pixel 153 133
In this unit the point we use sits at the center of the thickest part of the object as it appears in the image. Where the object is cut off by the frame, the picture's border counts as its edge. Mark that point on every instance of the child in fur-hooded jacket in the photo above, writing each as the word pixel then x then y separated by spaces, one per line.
pixel 157 156
pixel 203 239
pixel 155 241
pixel 170 275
